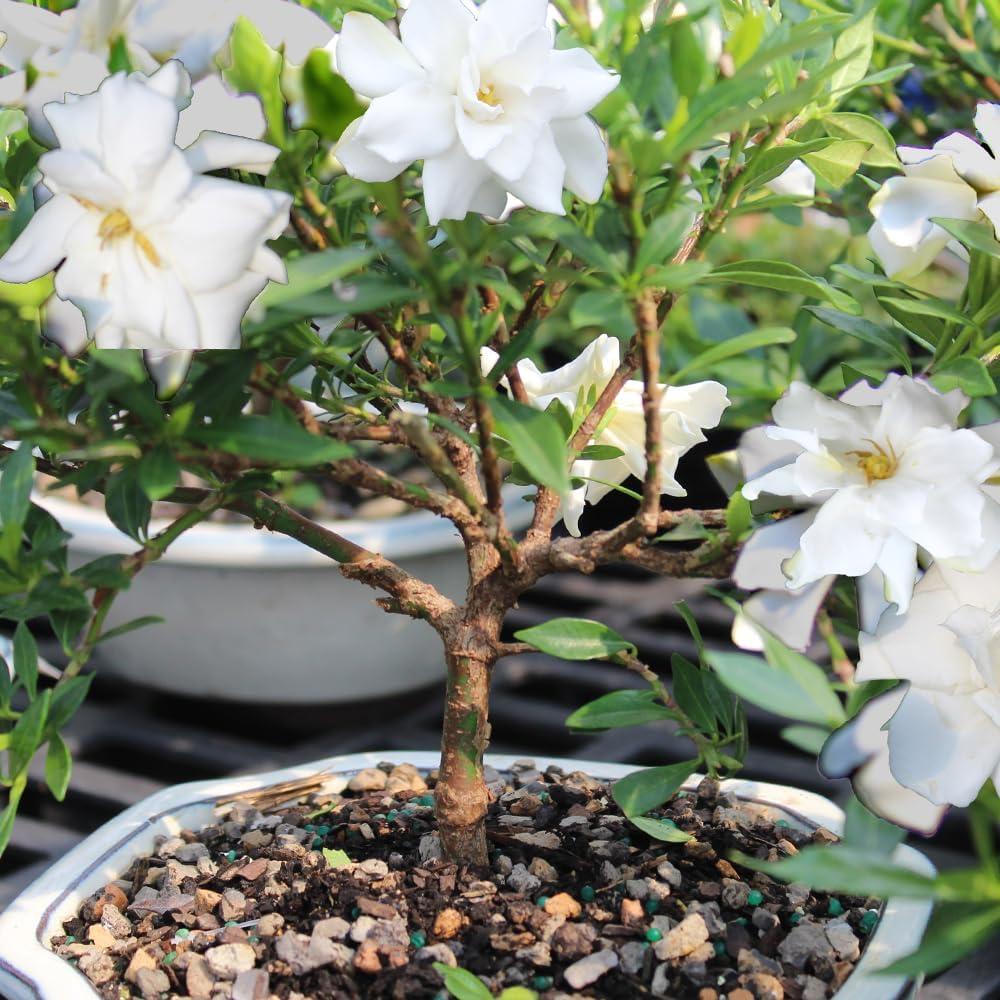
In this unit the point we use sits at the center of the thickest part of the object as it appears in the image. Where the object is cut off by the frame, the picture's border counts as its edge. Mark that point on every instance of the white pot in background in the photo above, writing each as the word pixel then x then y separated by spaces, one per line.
pixel 30 971
pixel 254 616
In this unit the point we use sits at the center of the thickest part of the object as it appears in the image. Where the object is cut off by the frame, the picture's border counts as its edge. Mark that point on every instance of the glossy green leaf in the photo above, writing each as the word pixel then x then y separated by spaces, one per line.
pixel 644 790
pixel 331 104
pixel 26 659
pixel 537 440
pixel 131 626
pixel 968 374
pixel 26 736
pixel 974 235
pixel 256 69
pixel 462 984
pixel 58 767
pixel 158 472
pixel 853 45
pixel 782 277
pixel 736 346
pixel 809 739
pixel 575 639
pixel 878 336
pixel 618 709
pixel 851 125
pixel 127 505
pixel 838 162
pixel 660 829
pixel 271 441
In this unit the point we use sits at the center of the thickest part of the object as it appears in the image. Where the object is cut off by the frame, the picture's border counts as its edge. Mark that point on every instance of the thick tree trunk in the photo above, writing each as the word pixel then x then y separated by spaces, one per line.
pixel 461 795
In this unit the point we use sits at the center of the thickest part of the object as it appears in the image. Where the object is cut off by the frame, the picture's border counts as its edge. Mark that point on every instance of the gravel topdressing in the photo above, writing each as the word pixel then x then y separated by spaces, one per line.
pixel 577 902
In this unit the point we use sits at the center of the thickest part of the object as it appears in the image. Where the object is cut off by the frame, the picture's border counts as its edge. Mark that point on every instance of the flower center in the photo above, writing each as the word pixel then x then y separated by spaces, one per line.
pixel 877 464
pixel 116 225
pixel 488 95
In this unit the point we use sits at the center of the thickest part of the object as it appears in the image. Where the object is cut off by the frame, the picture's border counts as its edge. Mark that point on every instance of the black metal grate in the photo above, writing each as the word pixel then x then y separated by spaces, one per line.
pixel 128 743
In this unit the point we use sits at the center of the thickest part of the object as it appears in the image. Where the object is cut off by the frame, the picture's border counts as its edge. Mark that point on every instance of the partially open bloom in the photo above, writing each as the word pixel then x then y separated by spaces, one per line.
pixel 685 411
pixel 944 736
pixel 482 98
pixel 890 475
pixel 956 179
pixel 149 253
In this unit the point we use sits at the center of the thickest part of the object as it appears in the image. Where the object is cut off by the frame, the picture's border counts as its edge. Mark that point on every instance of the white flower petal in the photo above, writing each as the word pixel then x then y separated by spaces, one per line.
pixel 584 83
pixel 972 163
pixel 220 313
pixel 452 182
pixel 359 161
pixel 761 557
pixel 63 324
pixel 904 206
pixel 215 151
pixel 436 34
pixel 26 29
pixel 372 59
pixel 795 181
pixel 415 122
pixel 585 154
pixel 987 122
pixel 41 246
pixel 541 185
pixel 789 616
pixel 901 263
pixel 167 369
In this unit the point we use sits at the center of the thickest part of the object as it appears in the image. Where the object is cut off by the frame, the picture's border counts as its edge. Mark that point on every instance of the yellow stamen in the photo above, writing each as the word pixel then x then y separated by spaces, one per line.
pixel 148 249
pixel 877 464
pixel 488 95
pixel 114 225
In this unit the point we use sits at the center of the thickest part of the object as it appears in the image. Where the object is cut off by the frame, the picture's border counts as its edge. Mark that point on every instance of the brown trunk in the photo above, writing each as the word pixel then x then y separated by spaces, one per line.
pixel 461 795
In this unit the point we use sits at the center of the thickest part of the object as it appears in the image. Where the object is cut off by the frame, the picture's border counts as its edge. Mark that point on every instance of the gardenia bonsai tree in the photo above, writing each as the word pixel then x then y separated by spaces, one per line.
pixel 243 249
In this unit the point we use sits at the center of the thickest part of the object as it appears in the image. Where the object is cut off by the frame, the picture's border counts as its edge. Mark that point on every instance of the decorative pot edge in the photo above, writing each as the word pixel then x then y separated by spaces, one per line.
pixel 241 546
pixel 30 971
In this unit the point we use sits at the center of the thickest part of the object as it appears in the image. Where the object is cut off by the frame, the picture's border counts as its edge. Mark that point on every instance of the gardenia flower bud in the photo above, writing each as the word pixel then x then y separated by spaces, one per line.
pixel 482 98
pixel 150 253
pixel 944 737
pixel 957 179
pixel 685 411
pixel 890 474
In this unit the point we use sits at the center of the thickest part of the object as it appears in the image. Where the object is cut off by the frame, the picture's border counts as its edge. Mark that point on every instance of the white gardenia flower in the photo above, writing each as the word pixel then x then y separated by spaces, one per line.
pixel 68 52
pixel 150 253
pixel 956 179
pixel 686 410
pixel 483 98
pixel 889 474
pixel 944 738
pixel 860 751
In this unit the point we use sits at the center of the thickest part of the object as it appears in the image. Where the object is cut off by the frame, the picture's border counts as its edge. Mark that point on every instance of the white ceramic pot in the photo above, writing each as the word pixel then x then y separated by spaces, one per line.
pixel 30 971
pixel 254 616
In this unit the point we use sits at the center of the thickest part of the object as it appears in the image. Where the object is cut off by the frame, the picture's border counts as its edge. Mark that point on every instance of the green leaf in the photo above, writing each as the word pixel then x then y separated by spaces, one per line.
pixel 774 689
pixel 15 488
pixel 58 767
pixel 853 45
pixel 866 331
pixel 739 516
pixel 641 791
pixel 807 738
pixel 745 38
pixel 331 104
pixel 687 61
pixel 955 930
pixel 26 659
pixel 838 162
pixel 272 441
pixel 968 374
pixel 26 737
pixel 336 858
pixel 461 984
pixel 67 697
pixel 840 868
pixel 928 307
pixel 576 639
pixel 662 240
pixel 118 57
pixel 735 346
pixel 127 505
pixel 865 831
pixel 7 816
pixel 256 69
pixel 782 277
pixel 974 235
pixel 518 993
pixel 690 694
pixel 660 829
pixel 313 272
pixel 158 472
pixel 619 709
pixel 812 678
pixel 605 308
pixel 850 125
pixel 537 440
pixel 131 626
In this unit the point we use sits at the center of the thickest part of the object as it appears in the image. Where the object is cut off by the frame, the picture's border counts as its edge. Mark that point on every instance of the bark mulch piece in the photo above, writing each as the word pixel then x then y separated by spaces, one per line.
pixel 344 895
